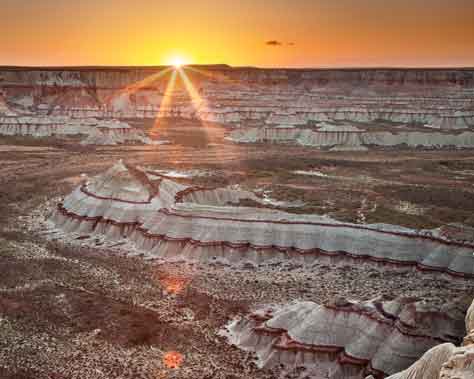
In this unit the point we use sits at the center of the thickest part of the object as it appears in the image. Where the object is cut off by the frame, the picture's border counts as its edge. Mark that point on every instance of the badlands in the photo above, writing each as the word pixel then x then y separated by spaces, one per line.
pixel 219 222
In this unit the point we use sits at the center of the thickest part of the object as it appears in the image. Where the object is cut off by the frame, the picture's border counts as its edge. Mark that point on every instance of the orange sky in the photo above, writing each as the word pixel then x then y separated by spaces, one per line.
pixel 322 32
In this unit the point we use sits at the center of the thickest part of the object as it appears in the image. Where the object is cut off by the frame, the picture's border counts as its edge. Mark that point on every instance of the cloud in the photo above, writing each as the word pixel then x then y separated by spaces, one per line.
pixel 273 43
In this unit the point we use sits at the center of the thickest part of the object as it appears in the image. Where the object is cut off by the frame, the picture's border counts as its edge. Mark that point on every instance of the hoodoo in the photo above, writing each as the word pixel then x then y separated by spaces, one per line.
pixel 168 219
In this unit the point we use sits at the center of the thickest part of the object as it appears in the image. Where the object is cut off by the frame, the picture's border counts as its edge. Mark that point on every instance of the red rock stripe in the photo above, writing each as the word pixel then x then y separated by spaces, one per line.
pixel 88 193
pixel 342 225
pixel 247 245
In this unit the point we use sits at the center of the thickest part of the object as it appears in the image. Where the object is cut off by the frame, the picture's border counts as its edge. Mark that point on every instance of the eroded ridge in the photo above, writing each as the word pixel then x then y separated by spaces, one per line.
pixel 327 109
pixel 353 139
pixel 346 339
pixel 167 219
pixel 446 361
pixel 96 132
pixel 441 98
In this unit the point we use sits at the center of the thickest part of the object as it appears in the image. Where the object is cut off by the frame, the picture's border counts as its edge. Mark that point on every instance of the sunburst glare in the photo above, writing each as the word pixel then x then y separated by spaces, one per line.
pixel 177 61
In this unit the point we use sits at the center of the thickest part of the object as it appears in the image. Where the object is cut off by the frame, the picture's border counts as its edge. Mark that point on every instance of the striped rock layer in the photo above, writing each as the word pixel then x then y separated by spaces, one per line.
pixel 346 339
pixel 446 361
pixel 244 96
pixel 171 220
pixel 97 132
pixel 353 140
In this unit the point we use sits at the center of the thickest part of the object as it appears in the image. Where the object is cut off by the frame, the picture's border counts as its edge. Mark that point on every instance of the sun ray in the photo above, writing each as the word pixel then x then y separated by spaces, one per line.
pixel 196 98
pixel 168 94
pixel 197 101
pixel 200 106
pixel 123 95
pixel 211 75
pixel 132 88
pixel 165 101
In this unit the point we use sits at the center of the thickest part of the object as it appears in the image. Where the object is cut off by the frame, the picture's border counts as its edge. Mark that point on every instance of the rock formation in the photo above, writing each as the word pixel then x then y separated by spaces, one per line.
pixel 446 361
pixel 4 108
pixel 179 221
pixel 354 139
pixel 98 132
pixel 442 99
pixel 347 339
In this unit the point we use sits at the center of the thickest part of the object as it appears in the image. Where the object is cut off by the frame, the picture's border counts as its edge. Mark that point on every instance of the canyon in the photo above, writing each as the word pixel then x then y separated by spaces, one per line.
pixel 236 222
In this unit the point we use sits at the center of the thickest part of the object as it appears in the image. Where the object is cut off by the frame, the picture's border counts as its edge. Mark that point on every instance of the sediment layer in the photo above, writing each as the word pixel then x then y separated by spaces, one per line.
pixel 446 361
pixel 97 132
pixel 353 139
pixel 180 222
pixel 345 339
pixel 248 96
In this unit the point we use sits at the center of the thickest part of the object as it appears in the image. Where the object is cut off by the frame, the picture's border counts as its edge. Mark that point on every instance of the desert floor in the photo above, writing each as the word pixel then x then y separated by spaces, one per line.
pixel 73 312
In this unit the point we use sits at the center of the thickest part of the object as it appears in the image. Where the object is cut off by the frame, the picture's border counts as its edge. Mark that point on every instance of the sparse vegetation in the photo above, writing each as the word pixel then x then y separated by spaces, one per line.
pixel 71 312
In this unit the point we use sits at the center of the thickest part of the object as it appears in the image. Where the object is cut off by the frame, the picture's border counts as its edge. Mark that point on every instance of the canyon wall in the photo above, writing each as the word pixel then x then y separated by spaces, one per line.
pixel 442 98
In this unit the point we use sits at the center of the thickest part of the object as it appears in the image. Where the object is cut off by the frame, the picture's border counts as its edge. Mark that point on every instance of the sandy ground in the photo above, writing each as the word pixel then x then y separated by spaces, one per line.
pixel 73 312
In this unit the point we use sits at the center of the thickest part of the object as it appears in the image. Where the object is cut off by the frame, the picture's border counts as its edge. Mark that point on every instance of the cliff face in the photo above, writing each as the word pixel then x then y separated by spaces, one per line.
pixel 243 95
pixel 353 140
pixel 260 98
pixel 118 78
pixel 446 361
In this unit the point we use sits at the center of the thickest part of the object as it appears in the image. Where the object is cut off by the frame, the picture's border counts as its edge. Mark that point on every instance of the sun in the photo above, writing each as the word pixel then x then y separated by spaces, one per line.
pixel 177 59
pixel 177 62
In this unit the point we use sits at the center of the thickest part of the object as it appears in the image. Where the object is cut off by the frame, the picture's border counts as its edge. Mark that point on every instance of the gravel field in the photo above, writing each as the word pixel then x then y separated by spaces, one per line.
pixel 71 311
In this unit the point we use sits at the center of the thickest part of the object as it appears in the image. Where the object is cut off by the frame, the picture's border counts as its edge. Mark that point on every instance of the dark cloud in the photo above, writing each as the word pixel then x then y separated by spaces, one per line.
pixel 273 43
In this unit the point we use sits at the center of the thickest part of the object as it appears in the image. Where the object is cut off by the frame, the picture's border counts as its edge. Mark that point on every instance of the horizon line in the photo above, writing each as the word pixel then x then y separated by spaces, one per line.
pixel 225 65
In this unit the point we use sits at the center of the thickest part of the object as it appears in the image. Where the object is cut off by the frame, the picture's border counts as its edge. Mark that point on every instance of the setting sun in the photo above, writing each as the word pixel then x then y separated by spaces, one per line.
pixel 177 62
pixel 237 189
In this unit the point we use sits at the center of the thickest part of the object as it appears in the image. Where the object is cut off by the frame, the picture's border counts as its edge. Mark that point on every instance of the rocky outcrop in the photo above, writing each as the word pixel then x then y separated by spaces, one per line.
pixel 185 222
pixel 446 361
pixel 98 132
pixel 354 139
pixel 347 339
pixel 249 96
pixel 4 108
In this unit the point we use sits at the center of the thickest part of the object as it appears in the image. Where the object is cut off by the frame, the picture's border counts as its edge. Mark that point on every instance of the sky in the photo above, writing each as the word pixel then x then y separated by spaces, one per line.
pixel 264 33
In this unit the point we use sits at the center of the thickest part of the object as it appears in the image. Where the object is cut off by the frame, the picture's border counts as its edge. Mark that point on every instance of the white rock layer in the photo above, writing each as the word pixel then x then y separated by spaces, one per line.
pixel 185 222
pixel 353 140
pixel 446 361
pixel 346 339
pixel 98 132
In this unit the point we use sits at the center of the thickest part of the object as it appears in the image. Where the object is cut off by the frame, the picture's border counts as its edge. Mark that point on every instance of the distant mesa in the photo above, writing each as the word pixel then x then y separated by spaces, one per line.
pixel 406 108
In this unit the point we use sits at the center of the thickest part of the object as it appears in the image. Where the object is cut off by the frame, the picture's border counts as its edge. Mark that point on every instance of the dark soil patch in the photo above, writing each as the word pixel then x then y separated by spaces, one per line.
pixel 52 309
